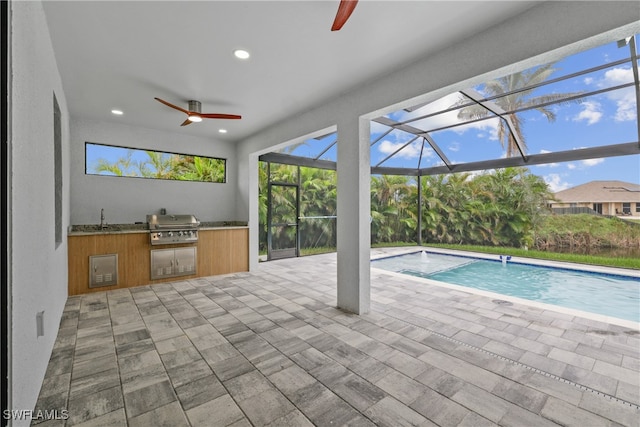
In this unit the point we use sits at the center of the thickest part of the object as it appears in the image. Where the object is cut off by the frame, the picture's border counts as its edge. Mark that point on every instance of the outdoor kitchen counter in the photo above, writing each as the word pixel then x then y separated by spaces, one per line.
pixel 89 229
pixel 222 248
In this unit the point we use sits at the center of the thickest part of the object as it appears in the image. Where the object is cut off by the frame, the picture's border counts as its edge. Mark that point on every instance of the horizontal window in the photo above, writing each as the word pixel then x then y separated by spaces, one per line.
pixel 112 160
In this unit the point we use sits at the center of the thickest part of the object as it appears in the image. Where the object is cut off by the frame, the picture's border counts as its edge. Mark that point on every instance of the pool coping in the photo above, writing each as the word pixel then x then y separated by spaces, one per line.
pixel 544 306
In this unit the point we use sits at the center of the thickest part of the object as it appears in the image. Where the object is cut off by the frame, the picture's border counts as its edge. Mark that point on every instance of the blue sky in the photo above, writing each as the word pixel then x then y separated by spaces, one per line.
pixel 95 152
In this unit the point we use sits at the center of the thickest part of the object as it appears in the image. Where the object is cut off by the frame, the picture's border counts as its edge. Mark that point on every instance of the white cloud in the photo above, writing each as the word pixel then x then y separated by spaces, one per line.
pixel 626 110
pixel 555 182
pixel 454 146
pixel 617 76
pixel 585 163
pixel 411 151
pixel 588 80
pixel 581 164
pixel 591 162
pixel 625 99
pixel 591 113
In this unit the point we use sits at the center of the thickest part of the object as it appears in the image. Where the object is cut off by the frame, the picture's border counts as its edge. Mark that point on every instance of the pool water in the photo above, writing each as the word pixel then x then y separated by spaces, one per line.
pixel 610 295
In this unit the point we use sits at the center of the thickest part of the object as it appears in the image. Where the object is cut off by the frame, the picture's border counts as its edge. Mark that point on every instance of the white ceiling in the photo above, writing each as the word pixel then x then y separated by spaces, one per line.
pixel 122 54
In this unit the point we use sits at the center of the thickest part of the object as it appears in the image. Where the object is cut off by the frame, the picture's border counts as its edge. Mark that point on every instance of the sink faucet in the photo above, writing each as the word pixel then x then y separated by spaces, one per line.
pixel 103 224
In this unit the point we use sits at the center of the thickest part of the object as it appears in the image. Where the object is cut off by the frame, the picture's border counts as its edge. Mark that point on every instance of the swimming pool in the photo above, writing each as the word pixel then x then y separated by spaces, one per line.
pixel 600 293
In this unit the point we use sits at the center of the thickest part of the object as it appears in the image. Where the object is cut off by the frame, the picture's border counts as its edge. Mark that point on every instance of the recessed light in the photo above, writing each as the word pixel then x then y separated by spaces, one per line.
pixel 222 130
pixel 117 112
pixel 241 54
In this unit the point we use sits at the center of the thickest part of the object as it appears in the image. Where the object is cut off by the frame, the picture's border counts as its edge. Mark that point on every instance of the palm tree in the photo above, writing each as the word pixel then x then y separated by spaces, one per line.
pixel 518 98
pixel 160 165
pixel 196 168
pixel 318 193
pixel 122 167
pixel 501 208
pixel 157 166
pixel 390 215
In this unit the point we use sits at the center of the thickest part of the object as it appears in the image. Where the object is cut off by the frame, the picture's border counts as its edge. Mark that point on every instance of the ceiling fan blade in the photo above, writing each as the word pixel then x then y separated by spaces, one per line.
pixel 168 104
pixel 220 116
pixel 186 122
pixel 344 12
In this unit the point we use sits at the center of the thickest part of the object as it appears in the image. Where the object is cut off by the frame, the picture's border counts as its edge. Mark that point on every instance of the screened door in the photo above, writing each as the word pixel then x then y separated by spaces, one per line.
pixel 282 221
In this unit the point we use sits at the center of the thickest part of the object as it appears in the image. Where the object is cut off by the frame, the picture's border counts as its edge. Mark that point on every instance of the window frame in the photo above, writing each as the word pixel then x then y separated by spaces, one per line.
pixel 87 167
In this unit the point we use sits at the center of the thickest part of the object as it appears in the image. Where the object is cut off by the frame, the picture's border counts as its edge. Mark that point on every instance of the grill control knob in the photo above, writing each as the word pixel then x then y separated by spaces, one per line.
pixel 170 234
pixel 179 233
pixel 159 235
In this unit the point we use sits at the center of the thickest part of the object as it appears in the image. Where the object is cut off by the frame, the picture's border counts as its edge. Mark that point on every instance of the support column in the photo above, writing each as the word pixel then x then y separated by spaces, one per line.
pixel 354 213
pixel 419 199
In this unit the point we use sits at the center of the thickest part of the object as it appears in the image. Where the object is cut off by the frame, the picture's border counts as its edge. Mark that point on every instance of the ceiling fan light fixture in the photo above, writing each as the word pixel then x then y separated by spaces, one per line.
pixel 222 130
pixel 195 114
pixel 241 54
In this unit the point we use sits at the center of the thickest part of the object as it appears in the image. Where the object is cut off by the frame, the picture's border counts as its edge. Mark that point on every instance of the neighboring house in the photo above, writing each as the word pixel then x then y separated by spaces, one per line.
pixel 605 197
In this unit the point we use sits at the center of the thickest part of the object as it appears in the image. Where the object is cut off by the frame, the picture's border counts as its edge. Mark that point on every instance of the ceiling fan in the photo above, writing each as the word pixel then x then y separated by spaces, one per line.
pixel 194 114
pixel 344 12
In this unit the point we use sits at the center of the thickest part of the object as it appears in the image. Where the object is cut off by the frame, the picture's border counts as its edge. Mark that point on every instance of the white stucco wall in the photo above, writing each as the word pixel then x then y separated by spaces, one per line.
pixel 128 200
pixel 38 270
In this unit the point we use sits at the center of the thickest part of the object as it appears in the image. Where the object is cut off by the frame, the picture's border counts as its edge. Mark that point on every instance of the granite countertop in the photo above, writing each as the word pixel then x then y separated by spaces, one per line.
pixel 142 227
pixel 108 229
pixel 220 224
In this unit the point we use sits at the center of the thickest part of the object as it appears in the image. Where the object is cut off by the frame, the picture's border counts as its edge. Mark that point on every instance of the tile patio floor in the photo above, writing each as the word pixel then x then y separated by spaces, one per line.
pixel 270 348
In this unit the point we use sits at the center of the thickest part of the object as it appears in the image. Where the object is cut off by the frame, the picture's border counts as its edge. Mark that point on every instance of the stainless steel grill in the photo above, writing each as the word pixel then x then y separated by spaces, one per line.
pixel 172 229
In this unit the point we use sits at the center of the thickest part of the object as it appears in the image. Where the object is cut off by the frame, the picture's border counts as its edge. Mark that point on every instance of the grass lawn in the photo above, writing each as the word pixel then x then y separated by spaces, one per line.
pixel 622 262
